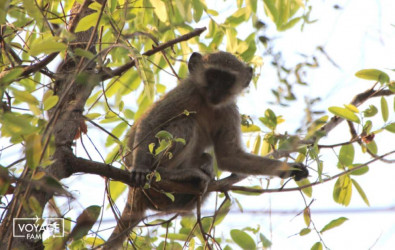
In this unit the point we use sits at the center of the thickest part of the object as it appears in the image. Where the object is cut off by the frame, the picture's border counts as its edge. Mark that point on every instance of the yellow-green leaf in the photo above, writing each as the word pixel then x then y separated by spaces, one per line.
pixel 351 108
pixel 373 74
pixel 391 127
pixel 86 22
pixel 35 206
pixel 47 46
pixel 7 77
pixel 271 10
pixel 160 9
pixel 250 128
pixel 333 224
pixel 24 96
pixel 343 190
pixel 306 216
pixel 317 246
pixel 33 150
pixel 222 212
pixel 50 100
pixel 359 171
pixel 242 239
pixel 307 191
pixel 116 189
pixel 361 192
pixel 257 144
pixel 93 116
pixel 344 113
pixel 304 231
pixel 384 108
pixel 346 154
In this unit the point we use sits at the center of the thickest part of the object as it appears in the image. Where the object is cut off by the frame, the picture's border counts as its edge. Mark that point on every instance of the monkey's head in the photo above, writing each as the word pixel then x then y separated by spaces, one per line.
pixel 219 76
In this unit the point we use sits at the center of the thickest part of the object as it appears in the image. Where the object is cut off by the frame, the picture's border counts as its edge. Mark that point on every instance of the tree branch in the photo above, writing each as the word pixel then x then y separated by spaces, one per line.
pixel 119 71
pixel 356 101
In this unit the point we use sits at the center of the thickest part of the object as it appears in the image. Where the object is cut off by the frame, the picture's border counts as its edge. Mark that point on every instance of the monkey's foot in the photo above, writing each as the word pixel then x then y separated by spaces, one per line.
pixel 299 171
pixel 138 177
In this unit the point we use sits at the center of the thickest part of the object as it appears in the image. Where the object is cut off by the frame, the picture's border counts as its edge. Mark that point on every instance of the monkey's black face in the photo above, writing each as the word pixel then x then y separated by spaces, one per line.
pixel 219 85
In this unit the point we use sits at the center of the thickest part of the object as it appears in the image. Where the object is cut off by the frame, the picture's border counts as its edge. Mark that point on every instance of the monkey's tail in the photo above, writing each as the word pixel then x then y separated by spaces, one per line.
pixel 132 214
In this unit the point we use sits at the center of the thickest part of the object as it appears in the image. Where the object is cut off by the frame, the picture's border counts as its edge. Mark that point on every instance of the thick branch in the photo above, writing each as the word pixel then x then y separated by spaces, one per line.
pixel 119 71
pixel 223 185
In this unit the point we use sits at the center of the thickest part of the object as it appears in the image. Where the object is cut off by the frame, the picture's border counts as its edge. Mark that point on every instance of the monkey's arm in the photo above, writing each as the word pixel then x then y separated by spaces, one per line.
pixel 231 157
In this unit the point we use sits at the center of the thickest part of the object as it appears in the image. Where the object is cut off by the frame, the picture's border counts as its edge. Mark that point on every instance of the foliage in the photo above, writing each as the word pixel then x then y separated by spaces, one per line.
pixel 34 33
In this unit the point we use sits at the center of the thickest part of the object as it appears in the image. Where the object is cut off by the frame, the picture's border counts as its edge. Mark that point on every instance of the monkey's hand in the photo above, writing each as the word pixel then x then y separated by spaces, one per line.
pixel 298 171
pixel 138 177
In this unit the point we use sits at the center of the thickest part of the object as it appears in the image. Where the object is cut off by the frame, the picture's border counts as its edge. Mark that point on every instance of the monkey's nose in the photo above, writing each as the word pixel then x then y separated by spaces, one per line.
pixel 250 70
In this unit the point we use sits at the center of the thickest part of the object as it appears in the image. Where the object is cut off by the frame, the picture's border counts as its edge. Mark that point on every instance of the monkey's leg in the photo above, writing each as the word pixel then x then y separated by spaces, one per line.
pixel 205 163
pixel 132 214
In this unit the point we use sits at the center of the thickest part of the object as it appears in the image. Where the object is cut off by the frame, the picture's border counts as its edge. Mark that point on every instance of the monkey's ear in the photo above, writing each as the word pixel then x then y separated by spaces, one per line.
pixel 194 61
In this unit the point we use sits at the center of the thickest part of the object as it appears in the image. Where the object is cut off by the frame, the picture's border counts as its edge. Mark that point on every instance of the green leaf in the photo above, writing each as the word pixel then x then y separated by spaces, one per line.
pixel 85 222
pixel 359 171
pixel 342 190
pixel 307 191
pixel 231 40
pixel 9 76
pixel 360 191
pixel 198 8
pixel 257 145
pixel 87 22
pixel 116 189
pixel 250 128
pixel 170 196
pixel 93 116
pixel 352 108
pixel 180 140
pixel 164 135
pixel 84 53
pixel 317 246
pixel 371 111
pixel 24 96
pixel 304 231
pixel 373 74
pixel 35 206
pixel 346 154
pixel 175 236
pixel 384 108
pixel 257 187
pixel 333 224
pixel 344 113
pixel 289 24
pixel 307 216
pixel 238 17
pixel 222 212
pixel 271 10
pixel 368 126
pixel 391 127
pixel 117 132
pixel 15 124
pixel 33 150
pixel 32 10
pixel 47 46
pixel 266 243
pixel 372 146
pixel 160 10
pixel 49 100
pixel 242 239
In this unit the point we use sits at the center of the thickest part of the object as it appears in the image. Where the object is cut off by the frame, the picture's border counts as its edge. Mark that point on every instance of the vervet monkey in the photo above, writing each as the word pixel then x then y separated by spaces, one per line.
pixel 208 94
